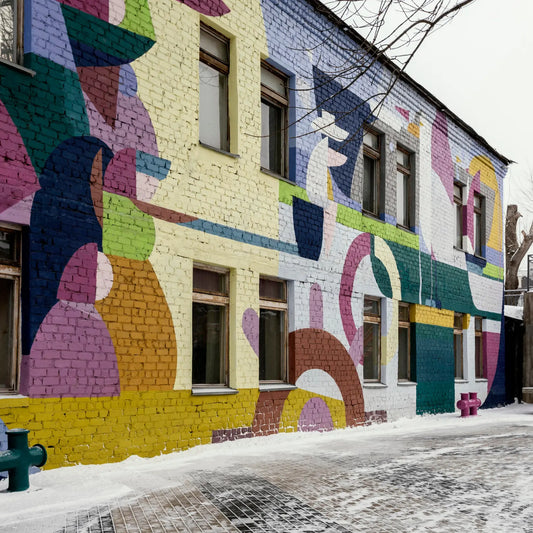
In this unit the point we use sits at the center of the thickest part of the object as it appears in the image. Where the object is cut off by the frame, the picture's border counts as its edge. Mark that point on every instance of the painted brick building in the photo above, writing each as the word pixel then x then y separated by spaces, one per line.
pixel 202 237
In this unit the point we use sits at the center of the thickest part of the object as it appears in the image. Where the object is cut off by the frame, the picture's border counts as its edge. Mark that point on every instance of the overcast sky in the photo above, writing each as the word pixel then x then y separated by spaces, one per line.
pixel 480 65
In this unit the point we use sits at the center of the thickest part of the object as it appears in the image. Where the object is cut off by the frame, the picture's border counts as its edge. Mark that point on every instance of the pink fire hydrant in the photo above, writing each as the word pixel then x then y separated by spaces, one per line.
pixel 468 404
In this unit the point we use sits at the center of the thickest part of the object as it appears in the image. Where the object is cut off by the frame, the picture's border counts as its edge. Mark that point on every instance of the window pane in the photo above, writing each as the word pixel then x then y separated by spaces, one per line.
pixel 458 352
pixel 479 357
pixel 213 107
pixel 459 226
pixel 458 192
pixel 369 184
pixel 272 289
pixel 8 246
pixel 209 281
pixel 371 307
pixel 477 234
pixel 7 310
pixel 403 354
pixel 458 321
pixel 371 351
pixel 403 159
pixel 273 137
pixel 274 82
pixel 209 346
pixel 217 47
pixel 403 312
pixel 271 345
pixel 371 139
pixel 479 323
pixel 7 30
pixel 402 198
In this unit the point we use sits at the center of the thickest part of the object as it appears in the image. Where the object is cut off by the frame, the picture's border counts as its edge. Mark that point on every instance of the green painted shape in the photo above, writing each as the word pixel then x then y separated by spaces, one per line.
pixel 138 19
pixel 118 42
pixel 380 273
pixel 352 218
pixel 47 108
pixel 288 190
pixel 127 231
pixel 434 368
pixel 494 272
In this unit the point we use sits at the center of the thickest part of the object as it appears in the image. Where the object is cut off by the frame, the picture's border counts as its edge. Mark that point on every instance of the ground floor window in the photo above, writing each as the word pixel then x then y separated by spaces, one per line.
pixel 404 343
pixel 9 308
pixel 458 345
pixel 480 369
pixel 372 339
pixel 210 313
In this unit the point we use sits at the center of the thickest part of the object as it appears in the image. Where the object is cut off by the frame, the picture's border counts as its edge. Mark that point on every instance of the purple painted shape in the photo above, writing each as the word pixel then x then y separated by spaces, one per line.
pixel 96 8
pixel 17 176
pixel 359 248
pixel 405 114
pixel 78 281
pixel 250 326
pixel 48 36
pixel 121 174
pixel 72 355
pixel 127 80
pixel 20 213
pixel 468 210
pixel 316 307
pixel 441 155
pixel 315 416
pixel 491 348
pixel 211 8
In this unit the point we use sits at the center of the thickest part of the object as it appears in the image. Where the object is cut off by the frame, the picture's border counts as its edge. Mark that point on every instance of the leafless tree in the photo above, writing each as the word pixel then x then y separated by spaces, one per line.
pixel 515 250
pixel 7 26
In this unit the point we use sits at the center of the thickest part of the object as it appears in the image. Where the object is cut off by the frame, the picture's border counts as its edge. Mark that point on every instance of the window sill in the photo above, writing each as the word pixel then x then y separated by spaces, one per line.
pixel 459 249
pixel 275 175
pixel 482 380
pixel 407 383
pixel 271 387
pixel 461 380
pixel 370 385
pixel 372 216
pixel 17 66
pixel 218 150
pixel 213 391
pixel 13 399
pixel 405 228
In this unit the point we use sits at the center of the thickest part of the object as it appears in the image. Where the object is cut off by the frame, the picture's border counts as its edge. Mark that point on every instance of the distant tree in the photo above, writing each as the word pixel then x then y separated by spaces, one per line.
pixel 515 250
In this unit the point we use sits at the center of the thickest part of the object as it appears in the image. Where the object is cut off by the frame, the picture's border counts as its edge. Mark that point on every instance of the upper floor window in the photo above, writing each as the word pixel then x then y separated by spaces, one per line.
pixel 458 204
pixel 458 345
pixel 371 171
pixel 11 30
pixel 404 343
pixel 372 339
pixel 480 370
pixel 214 72
pixel 404 188
pixel 479 226
pixel 274 117
pixel 272 330
pixel 210 321
pixel 10 271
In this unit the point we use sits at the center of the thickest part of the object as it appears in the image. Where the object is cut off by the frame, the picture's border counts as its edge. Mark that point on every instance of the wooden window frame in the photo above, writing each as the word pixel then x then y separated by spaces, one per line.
pixel 406 324
pixel 410 196
pixel 221 300
pixel 479 211
pixel 458 332
pixel 375 155
pixel 479 355
pixel 373 319
pixel 458 205
pixel 278 305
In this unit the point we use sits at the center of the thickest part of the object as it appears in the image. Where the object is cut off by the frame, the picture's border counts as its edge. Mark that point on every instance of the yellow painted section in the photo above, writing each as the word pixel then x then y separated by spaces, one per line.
pixel 466 321
pixel 430 315
pixel 296 401
pixel 103 430
pixel 414 129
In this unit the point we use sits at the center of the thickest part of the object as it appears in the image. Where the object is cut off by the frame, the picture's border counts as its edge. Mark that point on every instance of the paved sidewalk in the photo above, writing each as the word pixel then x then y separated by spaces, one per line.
pixel 470 477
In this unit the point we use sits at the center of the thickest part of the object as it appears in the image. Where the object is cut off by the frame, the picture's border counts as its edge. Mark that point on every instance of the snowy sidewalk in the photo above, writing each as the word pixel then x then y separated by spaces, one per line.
pixel 433 473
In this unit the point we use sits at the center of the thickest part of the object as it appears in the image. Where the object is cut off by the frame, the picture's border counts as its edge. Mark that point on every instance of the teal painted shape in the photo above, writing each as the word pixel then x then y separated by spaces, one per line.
pixel 47 109
pixel 381 274
pixel 434 368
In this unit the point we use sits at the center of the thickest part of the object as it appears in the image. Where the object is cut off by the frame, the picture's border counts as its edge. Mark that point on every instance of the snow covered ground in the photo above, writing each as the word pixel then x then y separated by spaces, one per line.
pixel 429 473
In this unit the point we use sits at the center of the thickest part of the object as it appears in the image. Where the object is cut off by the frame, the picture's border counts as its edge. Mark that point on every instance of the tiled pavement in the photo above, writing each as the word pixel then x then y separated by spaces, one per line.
pixel 425 482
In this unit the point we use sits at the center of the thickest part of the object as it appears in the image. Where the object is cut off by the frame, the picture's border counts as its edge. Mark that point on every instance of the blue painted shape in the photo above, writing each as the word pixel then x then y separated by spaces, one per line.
pixel 308 221
pixel 62 220
pixel 475 264
pixel 3 444
pixel 351 113
pixel 152 165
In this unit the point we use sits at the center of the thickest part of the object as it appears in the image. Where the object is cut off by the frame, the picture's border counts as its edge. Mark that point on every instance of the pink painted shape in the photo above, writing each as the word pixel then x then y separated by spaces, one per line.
pixel 359 248
pixel 441 155
pixel 330 223
pixel 20 213
pixel 468 210
pixel 121 174
pixel 211 8
pixel 96 8
pixel 404 112
pixel 250 326
pixel 315 416
pixel 17 177
pixel 356 347
pixel 335 159
pixel 491 344
pixel 316 307
pixel 78 281
pixel 468 404
pixel 72 355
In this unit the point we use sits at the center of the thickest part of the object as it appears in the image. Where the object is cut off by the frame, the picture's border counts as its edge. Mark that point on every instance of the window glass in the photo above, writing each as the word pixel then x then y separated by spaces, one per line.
pixel 458 345
pixel 478 225
pixel 209 281
pixel 404 346
pixel 214 44
pixel 271 289
pixel 404 191
pixel 371 140
pixel 8 246
pixel 371 157
pixel 372 334
pixel 274 82
pixel 480 370
pixel 8 27
pixel 458 202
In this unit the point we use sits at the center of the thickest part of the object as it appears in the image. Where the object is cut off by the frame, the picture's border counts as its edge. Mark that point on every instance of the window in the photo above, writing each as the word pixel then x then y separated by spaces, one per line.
pixel 210 311
pixel 458 345
pixel 458 203
pixel 404 343
pixel 274 116
pixel 404 189
pixel 11 30
pixel 479 226
pixel 480 370
pixel 372 340
pixel 371 156
pixel 214 71
pixel 272 330
pixel 9 308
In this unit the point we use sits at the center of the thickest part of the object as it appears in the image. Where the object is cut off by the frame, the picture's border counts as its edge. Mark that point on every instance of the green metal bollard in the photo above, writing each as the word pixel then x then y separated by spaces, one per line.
pixel 19 457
